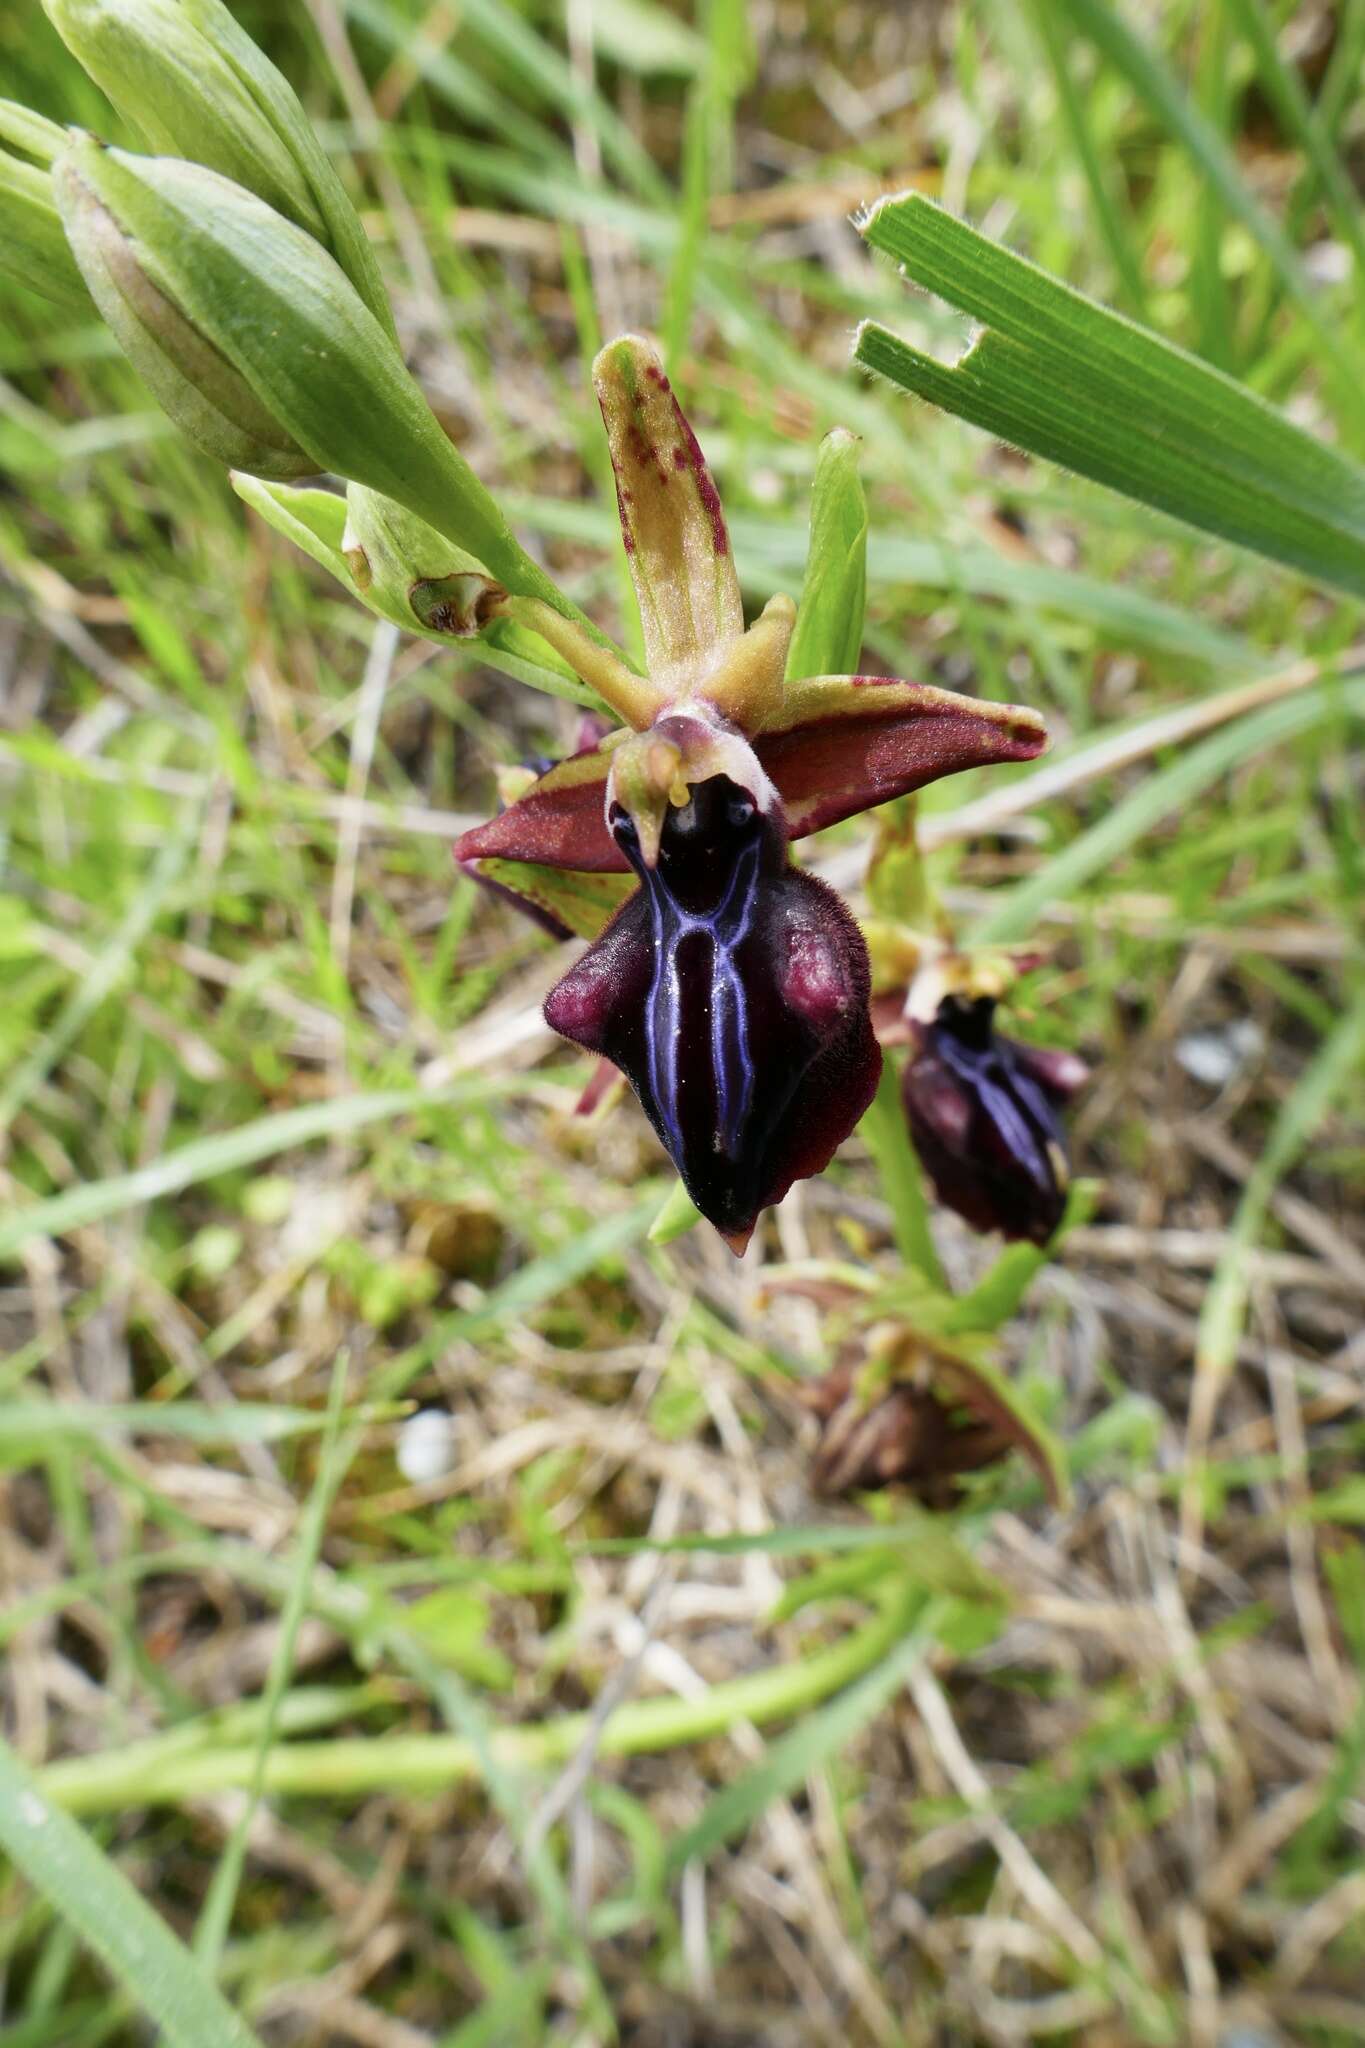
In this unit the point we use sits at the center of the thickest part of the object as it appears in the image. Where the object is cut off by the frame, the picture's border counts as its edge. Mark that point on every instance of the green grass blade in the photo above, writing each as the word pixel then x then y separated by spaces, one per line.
pixel 708 155
pixel 239 1422
pixel 1074 110
pixel 1170 789
pixel 888 1139
pixel 109 968
pixel 215 1915
pixel 1070 380
pixel 110 1915
pixel 223 1152
pixel 811 1744
pixel 1284 88
pixel 677 1215
pixel 1152 82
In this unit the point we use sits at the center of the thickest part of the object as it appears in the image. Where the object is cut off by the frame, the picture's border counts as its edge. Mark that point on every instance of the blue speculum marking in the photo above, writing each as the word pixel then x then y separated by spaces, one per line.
pixel 721 931
pixel 696 987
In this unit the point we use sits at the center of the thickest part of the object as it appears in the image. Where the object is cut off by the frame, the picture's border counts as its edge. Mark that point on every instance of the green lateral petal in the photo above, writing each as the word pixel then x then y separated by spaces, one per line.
pixel 672 524
pixel 829 621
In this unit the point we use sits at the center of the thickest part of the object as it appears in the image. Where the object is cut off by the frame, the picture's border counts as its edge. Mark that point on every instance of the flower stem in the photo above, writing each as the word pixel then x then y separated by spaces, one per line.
pixel 165 1772
pixel 888 1138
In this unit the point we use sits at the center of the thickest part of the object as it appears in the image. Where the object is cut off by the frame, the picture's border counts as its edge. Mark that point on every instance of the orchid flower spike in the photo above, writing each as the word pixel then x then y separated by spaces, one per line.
pixel 730 987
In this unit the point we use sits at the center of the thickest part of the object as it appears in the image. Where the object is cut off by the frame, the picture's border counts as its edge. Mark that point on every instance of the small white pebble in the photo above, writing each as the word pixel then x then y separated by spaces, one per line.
pixel 1217 1057
pixel 426 1445
pixel 32 1811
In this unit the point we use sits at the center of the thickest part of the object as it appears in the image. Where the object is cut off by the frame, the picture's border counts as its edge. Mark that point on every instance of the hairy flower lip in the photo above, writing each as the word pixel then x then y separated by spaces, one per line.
pixel 732 990
pixel 984 1113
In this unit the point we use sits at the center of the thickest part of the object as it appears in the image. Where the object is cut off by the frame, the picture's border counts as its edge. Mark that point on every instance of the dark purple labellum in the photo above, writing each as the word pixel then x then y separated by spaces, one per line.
pixel 984 1112
pixel 732 990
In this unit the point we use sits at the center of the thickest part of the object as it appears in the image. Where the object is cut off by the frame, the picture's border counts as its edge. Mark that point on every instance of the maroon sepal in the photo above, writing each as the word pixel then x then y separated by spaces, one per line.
pixel 560 822
pixel 832 768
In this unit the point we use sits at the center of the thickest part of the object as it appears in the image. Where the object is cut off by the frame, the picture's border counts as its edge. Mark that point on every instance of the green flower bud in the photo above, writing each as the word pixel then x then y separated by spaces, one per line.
pixel 30 135
pixel 33 245
pixel 239 319
pixel 203 392
pixel 191 81
pixel 412 574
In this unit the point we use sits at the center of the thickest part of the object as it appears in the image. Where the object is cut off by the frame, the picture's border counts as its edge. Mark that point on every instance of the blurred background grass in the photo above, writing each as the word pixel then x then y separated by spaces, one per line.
pixel 1121 1799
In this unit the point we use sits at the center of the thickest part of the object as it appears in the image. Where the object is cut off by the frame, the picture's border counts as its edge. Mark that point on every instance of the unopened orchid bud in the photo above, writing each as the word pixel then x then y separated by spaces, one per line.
pixel 191 81
pixel 204 392
pixel 985 1114
pixel 412 574
pixel 249 333
pixel 33 244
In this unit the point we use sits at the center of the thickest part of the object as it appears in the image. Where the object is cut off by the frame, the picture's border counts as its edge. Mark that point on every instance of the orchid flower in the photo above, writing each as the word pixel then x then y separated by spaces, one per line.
pixel 730 987
pixel 984 1111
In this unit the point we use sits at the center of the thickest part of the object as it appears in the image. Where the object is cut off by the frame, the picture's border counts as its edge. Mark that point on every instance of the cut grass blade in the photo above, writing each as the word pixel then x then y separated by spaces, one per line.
pixel 110 1915
pixel 1065 378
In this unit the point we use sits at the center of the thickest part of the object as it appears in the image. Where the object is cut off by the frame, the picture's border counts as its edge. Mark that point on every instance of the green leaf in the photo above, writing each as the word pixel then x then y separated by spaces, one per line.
pixel 813 1741
pixel 887 1136
pixel 110 1915
pixel 997 1295
pixel 1069 380
pixel 1344 1503
pixel 248 332
pixel 31 135
pixel 678 1215
pixel 829 622
pixel 191 80
pixel 33 244
pixel 315 521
